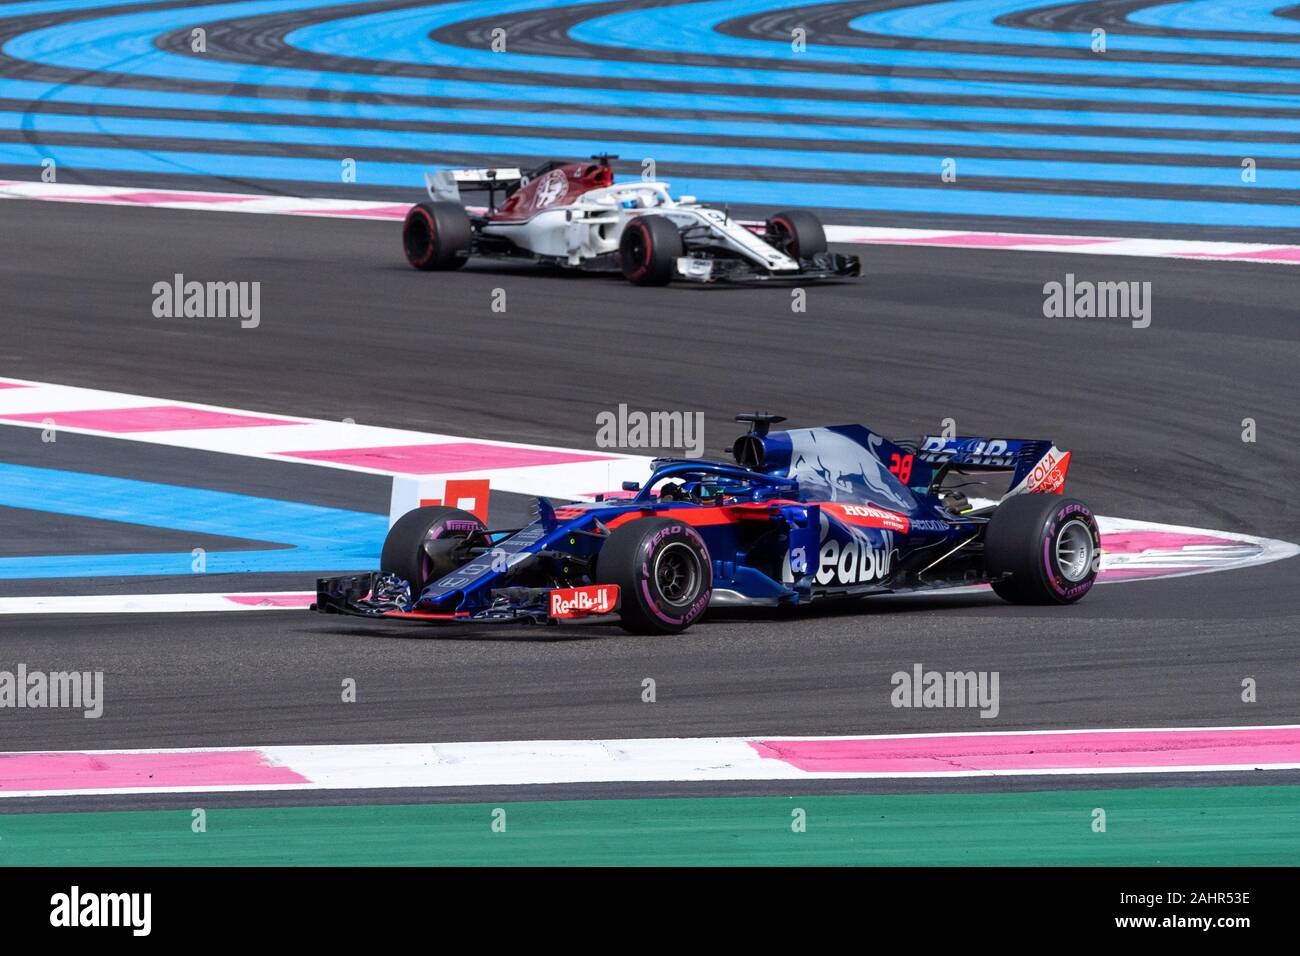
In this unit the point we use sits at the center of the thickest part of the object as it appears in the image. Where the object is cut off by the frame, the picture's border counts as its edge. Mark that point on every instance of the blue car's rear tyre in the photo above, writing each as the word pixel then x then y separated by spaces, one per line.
pixel 663 572
pixel 649 249
pixel 1041 549
pixel 437 235
pixel 419 545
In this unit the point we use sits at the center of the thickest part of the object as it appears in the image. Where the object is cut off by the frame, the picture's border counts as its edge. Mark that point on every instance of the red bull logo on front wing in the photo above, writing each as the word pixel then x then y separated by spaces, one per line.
pixel 580 602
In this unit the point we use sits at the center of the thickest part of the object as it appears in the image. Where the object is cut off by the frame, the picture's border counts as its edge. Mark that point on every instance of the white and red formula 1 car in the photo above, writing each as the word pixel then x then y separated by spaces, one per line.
pixel 573 215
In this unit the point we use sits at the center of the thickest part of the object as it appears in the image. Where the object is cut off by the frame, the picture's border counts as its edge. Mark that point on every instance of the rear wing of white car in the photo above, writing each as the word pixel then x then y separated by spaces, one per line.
pixel 445 185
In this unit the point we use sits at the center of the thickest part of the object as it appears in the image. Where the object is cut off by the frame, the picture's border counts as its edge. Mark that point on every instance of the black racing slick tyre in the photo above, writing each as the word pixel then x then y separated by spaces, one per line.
pixel 649 249
pixel 437 236
pixel 797 233
pixel 419 547
pixel 663 572
pixel 1042 549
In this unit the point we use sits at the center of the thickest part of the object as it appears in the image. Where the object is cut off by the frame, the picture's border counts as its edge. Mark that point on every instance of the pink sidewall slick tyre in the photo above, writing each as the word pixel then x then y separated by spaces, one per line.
pixel 663 571
pixel 1042 549
pixel 418 546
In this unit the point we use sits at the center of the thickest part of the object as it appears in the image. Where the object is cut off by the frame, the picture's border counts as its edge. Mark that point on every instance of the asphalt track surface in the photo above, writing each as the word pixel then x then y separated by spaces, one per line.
pixel 1153 415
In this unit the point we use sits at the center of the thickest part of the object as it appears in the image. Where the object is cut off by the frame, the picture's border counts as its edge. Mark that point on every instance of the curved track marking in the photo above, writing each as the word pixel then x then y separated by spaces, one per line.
pixel 518 763
pixel 867 235
pixel 859 119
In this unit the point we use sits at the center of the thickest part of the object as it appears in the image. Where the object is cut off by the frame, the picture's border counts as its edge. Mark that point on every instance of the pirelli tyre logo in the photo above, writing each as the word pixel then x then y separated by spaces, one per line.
pixel 853 562
pixel 580 602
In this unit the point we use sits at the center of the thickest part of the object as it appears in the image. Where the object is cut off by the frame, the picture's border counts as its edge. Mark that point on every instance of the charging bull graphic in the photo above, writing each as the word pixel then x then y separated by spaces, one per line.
pixel 842 469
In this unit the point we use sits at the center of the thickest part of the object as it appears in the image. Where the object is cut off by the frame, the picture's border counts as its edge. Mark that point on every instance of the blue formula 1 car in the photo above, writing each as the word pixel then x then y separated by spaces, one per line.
pixel 809 514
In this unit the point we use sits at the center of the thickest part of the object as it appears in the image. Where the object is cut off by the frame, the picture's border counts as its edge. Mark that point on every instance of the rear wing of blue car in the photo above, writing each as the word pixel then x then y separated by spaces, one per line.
pixel 1036 465
pixel 851 460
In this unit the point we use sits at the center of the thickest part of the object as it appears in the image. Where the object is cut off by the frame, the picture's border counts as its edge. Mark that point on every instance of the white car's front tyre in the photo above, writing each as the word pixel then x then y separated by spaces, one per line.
pixel 649 249
pixel 797 233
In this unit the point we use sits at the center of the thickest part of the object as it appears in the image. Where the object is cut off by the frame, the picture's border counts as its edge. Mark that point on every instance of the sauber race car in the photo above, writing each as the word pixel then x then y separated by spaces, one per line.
pixel 804 515
pixel 574 216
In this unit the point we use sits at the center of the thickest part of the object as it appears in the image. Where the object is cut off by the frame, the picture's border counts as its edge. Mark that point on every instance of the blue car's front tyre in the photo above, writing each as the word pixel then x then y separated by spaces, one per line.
pixel 663 572
pixel 423 545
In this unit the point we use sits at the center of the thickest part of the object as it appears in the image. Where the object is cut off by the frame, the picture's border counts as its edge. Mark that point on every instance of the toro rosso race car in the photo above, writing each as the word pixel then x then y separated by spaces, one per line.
pixel 574 216
pixel 809 514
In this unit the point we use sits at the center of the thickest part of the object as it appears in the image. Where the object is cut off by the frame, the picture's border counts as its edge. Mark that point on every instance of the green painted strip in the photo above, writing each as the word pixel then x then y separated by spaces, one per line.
pixel 1182 826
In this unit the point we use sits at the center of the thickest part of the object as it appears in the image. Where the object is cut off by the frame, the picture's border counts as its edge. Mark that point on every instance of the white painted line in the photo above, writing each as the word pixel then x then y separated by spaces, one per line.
pixel 1162 559
pixel 1175 557
pixel 571 479
pixel 158 603
pixel 775 757
pixel 1276 253
pixel 201 201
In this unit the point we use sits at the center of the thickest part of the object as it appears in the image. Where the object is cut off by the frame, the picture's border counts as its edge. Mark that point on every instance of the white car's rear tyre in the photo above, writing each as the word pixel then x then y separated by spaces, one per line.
pixel 649 249
pixel 437 235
